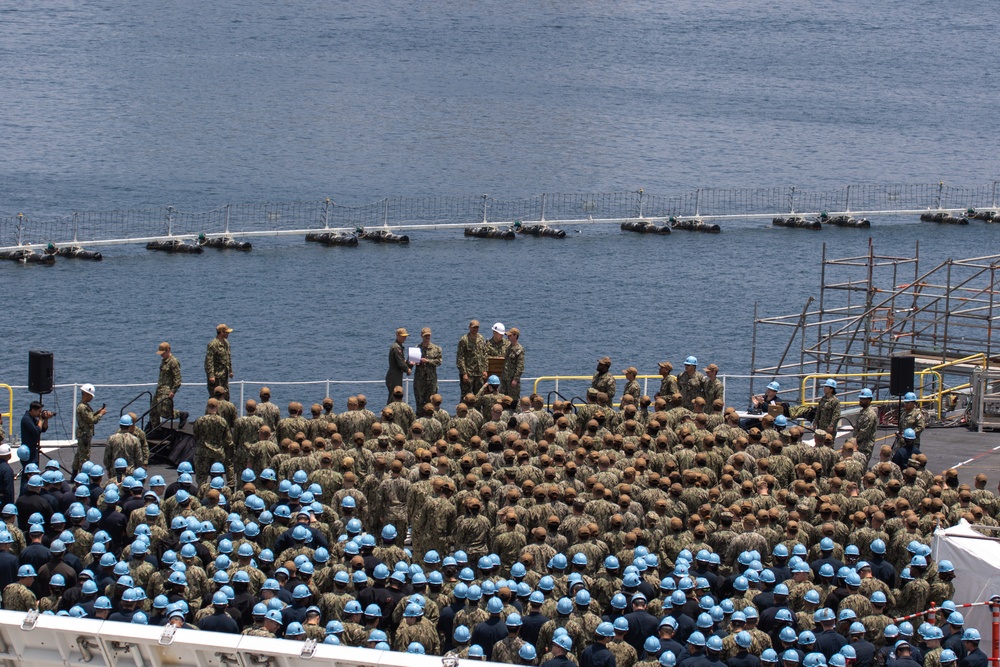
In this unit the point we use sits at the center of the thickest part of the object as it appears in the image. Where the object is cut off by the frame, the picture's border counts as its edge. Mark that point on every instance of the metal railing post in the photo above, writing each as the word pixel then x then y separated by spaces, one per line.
pixel 542 219
pixel 327 395
pixel 242 400
pixel 485 197
pixel 73 419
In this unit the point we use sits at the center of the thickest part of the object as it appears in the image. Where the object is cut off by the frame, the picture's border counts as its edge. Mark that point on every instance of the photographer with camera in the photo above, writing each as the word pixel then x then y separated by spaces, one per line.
pixel 34 422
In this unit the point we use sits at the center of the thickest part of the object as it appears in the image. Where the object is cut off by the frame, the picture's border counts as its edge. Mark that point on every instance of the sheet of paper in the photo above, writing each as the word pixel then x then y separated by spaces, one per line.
pixel 415 355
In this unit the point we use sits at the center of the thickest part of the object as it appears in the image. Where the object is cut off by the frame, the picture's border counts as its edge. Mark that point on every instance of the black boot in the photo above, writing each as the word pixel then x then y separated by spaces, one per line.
pixel 184 419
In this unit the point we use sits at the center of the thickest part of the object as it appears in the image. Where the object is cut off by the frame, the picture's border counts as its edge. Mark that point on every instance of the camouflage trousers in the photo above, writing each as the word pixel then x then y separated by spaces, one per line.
pixel 161 411
pixel 474 384
pixel 220 381
pixel 81 456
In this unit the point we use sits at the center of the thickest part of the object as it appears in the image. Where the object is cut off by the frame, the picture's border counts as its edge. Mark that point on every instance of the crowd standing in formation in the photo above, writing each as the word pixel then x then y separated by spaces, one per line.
pixel 651 531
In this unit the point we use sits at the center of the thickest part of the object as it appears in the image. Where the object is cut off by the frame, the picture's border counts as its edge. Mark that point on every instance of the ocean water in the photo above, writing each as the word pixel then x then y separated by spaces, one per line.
pixel 110 104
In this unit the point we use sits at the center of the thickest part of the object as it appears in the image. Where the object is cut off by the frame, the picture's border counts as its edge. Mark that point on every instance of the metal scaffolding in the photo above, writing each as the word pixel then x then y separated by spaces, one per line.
pixel 874 307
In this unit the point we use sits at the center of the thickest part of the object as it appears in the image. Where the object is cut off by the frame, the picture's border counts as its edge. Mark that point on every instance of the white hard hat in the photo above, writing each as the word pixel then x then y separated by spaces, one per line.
pixel 500 328
pixel 4 452
pixel 88 389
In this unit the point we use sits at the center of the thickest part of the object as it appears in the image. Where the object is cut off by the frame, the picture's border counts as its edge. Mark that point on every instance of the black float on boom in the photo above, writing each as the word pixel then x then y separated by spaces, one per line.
pixel 332 238
pixel 28 257
pixel 382 236
pixel 175 247
pixel 223 243
pixel 539 230
pixel 944 218
pixel 491 232
pixel 73 252
pixel 695 225
pixel 797 222
pixel 644 227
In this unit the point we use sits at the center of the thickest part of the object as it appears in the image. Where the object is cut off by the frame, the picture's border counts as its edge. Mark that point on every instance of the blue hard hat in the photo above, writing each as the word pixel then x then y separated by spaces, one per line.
pixel 564 607
pixel 947 655
pixel 774 386
pixel 125 421
pixel 564 641
pixel 605 629
pixel 696 639
pixel 743 638
pixel 462 634
pixel 476 651
pixel 714 643
pixel 781 421
pixel 866 393
pixel 971 635
pixel 514 620
pixel 831 383
pixel 493 379
pixel 909 397
pixel 909 434
pixel 786 635
pixel 583 598
pixel 691 361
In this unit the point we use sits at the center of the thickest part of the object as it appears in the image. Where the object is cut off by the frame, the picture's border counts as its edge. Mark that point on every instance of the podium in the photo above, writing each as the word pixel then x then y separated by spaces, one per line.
pixel 494 366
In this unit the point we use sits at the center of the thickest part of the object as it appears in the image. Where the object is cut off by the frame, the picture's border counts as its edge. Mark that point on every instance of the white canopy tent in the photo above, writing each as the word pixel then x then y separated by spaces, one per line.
pixel 976 557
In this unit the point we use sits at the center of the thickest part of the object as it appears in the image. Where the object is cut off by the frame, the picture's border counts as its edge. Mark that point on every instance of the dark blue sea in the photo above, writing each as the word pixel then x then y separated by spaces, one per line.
pixel 110 104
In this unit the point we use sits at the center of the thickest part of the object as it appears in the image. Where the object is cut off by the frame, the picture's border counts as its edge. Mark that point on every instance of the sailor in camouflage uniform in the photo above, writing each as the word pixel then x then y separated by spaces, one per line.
pixel 603 380
pixel 167 386
pixel 86 419
pixel 470 359
pixel 425 383
pixel 213 441
pixel 513 365
pixel 219 360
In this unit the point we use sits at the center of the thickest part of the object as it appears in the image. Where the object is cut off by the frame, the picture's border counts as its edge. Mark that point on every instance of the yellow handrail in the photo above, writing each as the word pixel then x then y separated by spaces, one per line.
pixel 10 409
pixel 964 360
pixel 931 397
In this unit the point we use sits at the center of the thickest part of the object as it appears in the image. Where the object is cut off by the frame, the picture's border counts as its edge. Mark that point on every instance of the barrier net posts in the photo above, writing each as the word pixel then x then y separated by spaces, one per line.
pixel 995 610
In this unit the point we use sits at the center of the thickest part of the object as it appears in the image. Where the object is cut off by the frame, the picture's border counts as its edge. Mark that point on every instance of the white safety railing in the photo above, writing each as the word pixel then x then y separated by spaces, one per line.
pixel 59 641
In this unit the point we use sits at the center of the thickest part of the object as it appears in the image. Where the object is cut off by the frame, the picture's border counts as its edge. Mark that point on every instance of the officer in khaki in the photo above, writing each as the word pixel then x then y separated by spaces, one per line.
pixel 219 360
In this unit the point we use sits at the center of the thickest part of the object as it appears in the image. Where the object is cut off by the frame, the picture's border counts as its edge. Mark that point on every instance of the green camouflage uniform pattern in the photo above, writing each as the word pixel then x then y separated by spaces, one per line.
pixel 218 364
pixel 122 445
pixel 714 390
pixel 86 418
pixel 669 386
pixel 625 655
pixel 513 368
pixel 470 359
pixel 913 419
pixel 827 415
pixel 16 597
pixel 506 650
pixel 865 429
pixel 271 415
pixel 605 382
pixel 168 382
pixel 692 385
pixel 425 381
pixel 245 432
pixel 214 442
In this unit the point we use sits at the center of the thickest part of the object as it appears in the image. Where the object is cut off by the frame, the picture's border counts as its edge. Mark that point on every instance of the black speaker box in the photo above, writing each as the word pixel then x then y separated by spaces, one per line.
pixel 40 372
pixel 901 375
